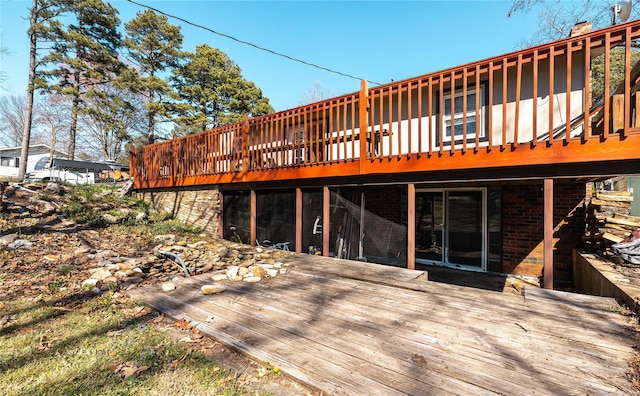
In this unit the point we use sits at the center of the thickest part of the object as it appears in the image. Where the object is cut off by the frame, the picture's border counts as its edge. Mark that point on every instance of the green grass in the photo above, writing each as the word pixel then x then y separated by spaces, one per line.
pixel 86 204
pixel 70 345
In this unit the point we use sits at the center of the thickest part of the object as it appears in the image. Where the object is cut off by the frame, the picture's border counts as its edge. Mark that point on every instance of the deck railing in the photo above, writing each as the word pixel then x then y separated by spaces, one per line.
pixel 474 115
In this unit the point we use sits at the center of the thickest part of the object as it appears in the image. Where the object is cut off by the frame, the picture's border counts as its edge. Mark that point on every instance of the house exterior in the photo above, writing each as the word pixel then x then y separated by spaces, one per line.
pixel 10 158
pixel 483 166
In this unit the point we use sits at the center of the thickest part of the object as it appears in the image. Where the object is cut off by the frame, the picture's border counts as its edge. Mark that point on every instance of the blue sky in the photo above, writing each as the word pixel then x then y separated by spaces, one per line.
pixel 373 40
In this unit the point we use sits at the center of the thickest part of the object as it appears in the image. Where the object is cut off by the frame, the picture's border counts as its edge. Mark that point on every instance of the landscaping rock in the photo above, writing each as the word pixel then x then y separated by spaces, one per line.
pixel 252 279
pixel 212 289
pixel 53 188
pixel 100 273
pixel 20 244
pixel 166 287
pixel 91 282
pixel 218 277
pixel 232 271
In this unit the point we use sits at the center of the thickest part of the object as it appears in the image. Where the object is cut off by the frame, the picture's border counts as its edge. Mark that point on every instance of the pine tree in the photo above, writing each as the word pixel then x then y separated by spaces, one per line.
pixel 154 48
pixel 213 91
pixel 83 57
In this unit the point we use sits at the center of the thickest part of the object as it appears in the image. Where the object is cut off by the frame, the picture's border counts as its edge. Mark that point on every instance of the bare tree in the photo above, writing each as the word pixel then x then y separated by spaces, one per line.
pixel 556 18
pixel 3 75
pixel 12 113
pixel 41 20
pixel 315 93
pixel 113 119
pixel 53 122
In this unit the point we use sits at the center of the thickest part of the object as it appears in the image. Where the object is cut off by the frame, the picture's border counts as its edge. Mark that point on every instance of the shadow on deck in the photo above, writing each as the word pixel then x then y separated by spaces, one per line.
pixel 352 328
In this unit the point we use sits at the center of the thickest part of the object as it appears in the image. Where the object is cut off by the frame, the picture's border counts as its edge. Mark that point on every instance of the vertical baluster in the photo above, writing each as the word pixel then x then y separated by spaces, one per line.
pixel 281 132
pixel 410 117
pixel 479 120
pixel 464 110
pixel 390 116
pixel 419 93
pixel 453 112
pixel 505 75
pixel 330 130
pixel 627 81
pixel 518 88
pixel 567 134
pixel 587 87
pixel 371 127
pixel 535 98
pixel 399 120
pixel 551 91
pixel 490 107
pixel 344 128
pixel 430 142
pixel 441 113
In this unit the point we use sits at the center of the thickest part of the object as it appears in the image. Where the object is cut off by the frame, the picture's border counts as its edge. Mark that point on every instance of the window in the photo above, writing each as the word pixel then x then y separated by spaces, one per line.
pixel 5 161
pixel 452 124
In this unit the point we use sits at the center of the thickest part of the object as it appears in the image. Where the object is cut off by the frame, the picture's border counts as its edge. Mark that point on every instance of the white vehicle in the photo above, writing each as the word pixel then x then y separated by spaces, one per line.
pixel 63 175
pixel 70 171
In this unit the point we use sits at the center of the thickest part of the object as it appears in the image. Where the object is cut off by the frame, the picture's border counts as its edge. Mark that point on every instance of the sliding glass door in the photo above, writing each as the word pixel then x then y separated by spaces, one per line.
pixel 451 227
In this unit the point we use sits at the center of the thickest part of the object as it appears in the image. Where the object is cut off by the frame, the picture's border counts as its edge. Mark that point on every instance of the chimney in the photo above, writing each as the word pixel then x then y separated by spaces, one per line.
pixel 580 28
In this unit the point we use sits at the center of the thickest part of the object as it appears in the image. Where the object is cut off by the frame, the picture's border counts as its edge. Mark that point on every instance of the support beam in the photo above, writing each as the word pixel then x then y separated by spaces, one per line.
pixel 411 226
pixel 221 215
pixel 298 220
pixel 326 212
pixel 254 211
pixel 547 273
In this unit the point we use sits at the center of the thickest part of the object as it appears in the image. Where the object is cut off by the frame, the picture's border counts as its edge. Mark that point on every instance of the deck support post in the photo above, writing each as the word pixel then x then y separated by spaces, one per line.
pixel 254 211
pixel 547 273
pixel 411 226
pixel 298 220
pixel 326 212
pixel 220 214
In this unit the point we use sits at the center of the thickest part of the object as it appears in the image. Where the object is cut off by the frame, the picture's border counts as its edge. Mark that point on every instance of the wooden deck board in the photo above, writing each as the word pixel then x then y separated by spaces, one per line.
pixel 401 335
pixel 370 321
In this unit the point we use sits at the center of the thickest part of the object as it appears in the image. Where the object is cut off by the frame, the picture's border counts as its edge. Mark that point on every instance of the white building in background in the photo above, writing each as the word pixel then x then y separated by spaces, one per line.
pixel 10 158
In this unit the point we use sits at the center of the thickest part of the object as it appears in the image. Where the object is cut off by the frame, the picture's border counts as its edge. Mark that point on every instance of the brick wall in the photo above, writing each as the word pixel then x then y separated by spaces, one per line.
pixel 199 207
pixel 523 232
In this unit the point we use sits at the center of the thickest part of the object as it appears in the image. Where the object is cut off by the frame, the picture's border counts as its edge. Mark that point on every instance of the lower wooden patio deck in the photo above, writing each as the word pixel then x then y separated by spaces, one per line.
pixel 350 328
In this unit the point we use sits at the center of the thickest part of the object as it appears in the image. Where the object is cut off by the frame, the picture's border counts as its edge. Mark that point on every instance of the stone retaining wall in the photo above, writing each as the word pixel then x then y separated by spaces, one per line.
pixel 195 206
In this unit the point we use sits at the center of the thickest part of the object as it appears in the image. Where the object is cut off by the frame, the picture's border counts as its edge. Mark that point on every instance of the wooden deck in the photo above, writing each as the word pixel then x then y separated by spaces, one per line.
pixel 350 328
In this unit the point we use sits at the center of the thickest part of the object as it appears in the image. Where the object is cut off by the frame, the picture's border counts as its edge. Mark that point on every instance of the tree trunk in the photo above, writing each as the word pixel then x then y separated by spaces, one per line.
pixel 26 130
pixel 150 136
pixel 52 148
pixel 73 125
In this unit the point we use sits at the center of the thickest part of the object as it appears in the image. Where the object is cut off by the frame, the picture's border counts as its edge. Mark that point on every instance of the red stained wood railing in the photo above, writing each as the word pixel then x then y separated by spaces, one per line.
pixel 504 111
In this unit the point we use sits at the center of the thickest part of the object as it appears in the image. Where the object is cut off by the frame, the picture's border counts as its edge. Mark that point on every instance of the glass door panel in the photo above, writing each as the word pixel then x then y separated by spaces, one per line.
pixel 465 226
pixel 429 226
